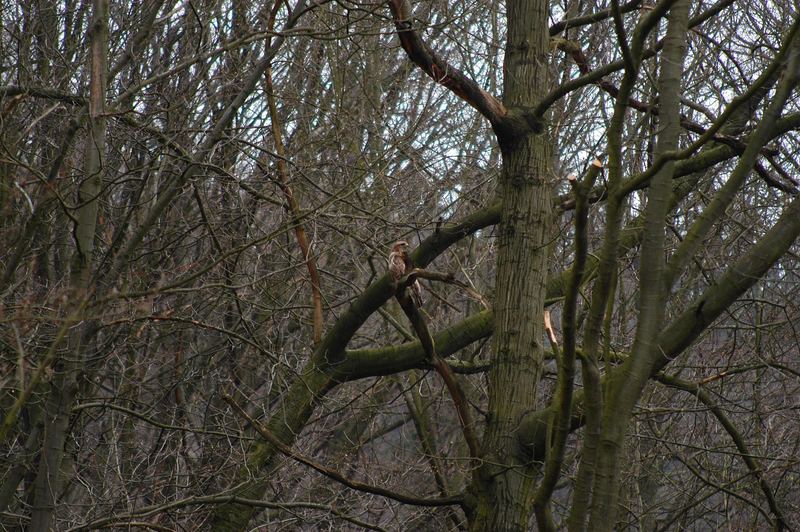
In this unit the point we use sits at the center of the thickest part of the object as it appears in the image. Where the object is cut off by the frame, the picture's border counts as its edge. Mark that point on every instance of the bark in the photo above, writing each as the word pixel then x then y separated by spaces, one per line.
pixel 502 486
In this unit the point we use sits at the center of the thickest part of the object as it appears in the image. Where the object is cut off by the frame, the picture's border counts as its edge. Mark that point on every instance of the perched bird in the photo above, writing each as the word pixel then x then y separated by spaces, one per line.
pixel 400 265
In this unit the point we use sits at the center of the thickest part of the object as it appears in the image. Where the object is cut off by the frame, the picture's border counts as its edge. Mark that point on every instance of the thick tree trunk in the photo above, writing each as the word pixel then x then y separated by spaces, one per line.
pixel 503 486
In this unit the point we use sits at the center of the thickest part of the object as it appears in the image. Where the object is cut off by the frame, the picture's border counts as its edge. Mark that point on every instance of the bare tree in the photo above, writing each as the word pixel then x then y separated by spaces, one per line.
pixel 198 330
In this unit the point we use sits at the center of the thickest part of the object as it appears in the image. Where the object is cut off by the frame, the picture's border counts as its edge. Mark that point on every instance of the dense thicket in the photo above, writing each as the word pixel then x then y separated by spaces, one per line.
pixel 197 201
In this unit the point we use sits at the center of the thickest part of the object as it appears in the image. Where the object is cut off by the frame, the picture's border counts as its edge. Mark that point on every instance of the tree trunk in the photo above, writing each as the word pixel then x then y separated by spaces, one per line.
pixel 503 486
pixel 617 411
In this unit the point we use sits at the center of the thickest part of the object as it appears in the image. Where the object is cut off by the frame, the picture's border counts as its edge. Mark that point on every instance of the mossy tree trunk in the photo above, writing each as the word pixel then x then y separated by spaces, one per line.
pixel 504 486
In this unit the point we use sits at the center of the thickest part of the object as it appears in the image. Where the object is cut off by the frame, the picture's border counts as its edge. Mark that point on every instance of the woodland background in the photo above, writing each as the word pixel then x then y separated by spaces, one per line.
pixel 197 200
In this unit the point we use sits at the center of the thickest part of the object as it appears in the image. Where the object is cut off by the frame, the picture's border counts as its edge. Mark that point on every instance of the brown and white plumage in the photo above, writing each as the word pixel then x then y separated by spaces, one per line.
pixel 400 264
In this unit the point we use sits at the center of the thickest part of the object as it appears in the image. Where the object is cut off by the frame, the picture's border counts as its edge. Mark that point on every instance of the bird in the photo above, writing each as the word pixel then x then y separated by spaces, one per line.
pixel 400 264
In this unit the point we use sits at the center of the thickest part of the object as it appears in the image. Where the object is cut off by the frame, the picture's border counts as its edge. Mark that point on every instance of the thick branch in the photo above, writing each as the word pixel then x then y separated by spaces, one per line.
pixel 42 92
pixel 697 163
pixel 685 329
pixel 459 400
pixel 363 363
pixel 509 124
pixel 374 296
pixel 727 193
pixel 441 71
pixel 722 120
pixel 562 400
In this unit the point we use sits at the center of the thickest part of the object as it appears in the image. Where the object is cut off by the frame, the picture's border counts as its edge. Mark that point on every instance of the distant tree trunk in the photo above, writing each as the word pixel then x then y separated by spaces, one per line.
pixel 503 486
pixel 64 387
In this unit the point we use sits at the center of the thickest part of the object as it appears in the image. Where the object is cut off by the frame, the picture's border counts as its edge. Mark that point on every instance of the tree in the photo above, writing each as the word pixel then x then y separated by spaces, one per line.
pixel 198 210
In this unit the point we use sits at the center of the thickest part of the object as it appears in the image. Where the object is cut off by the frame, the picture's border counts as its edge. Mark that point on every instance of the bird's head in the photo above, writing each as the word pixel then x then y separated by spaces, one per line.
pixel 400 245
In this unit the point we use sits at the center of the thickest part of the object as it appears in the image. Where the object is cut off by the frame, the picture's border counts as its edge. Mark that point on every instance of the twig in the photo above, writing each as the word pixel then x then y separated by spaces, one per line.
pixel 441 367
pixel 331 473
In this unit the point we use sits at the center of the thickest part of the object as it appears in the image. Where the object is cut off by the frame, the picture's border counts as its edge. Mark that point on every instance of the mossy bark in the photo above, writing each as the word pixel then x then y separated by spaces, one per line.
pixel 503 487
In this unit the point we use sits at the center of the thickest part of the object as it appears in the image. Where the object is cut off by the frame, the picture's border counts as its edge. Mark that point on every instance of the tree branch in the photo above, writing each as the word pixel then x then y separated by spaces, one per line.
pixel 507 123
pixel 292 204
pixel 220 498
pixel 441 71
pixel 459 400
pixel 562 398
pixel 448 278
pixel 685 328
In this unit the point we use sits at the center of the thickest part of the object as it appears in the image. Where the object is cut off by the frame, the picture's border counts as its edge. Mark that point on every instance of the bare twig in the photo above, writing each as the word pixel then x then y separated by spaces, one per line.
pixel 331 473
pixel 421 328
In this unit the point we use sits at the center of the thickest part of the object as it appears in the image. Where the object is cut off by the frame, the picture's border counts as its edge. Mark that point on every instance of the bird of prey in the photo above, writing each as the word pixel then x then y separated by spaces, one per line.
pixel 400 265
